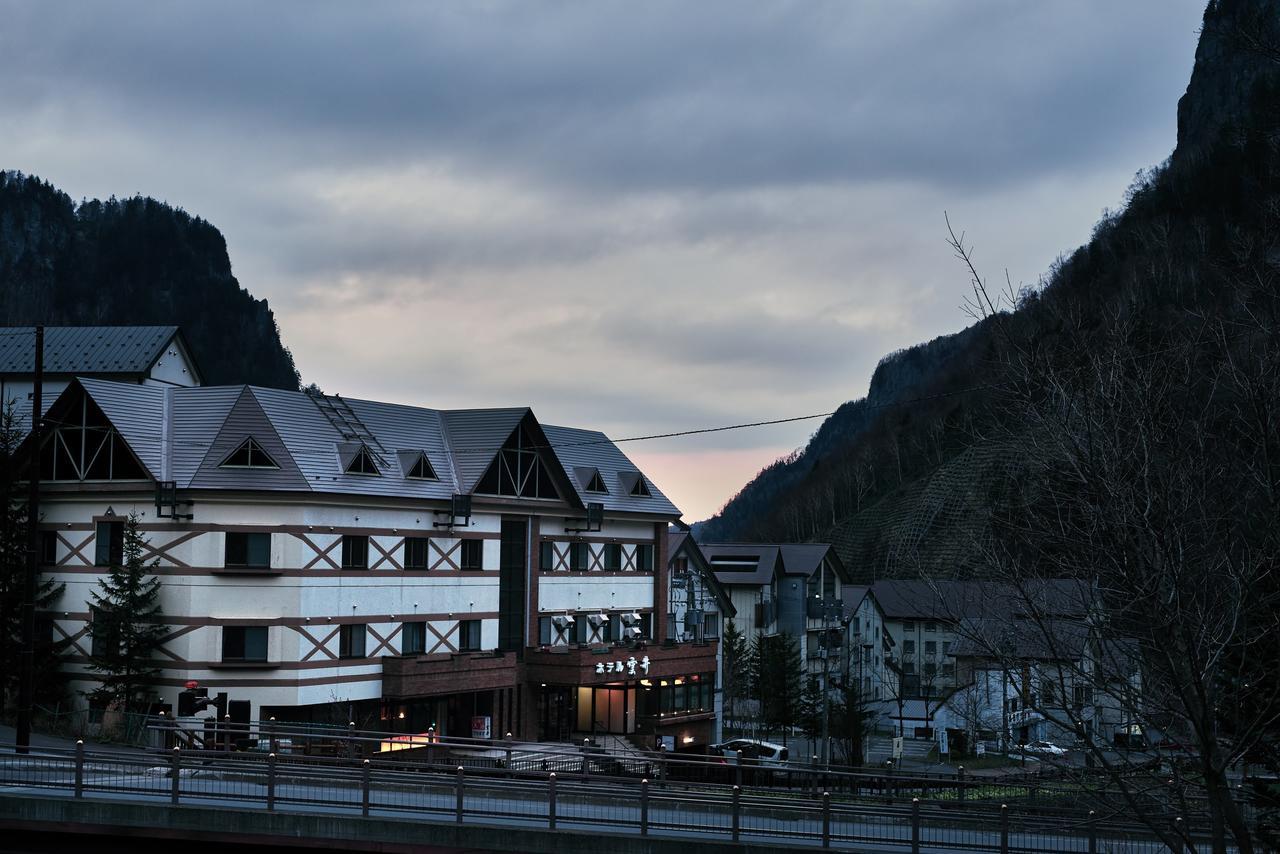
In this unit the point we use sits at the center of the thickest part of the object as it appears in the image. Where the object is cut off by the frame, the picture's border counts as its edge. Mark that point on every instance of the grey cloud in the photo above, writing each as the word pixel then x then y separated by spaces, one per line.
pixel 616 96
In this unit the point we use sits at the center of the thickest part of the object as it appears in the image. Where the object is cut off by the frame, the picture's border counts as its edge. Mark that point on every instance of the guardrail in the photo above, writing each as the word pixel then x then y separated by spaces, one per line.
pixel 1042 792
pixel 387 787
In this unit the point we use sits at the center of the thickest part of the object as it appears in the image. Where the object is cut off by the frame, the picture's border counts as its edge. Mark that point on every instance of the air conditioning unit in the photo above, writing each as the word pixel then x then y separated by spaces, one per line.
pixel 597 620
pixel 631 619
pixel 562 622
pixel 632 633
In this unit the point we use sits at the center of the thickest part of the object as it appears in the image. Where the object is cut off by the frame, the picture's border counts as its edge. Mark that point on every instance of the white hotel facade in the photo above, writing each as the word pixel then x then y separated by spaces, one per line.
pixel 319 563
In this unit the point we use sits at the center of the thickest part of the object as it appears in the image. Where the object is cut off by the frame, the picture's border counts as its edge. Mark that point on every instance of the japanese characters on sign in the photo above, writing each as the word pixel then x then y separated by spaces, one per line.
pixel 631 667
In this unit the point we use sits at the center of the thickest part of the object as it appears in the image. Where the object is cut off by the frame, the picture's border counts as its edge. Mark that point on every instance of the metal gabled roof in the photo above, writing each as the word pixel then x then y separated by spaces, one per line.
pixel 474 437
pixel 137 413
pixel 764 557
pixel 184 434
pixel 576 448
pixel 82 350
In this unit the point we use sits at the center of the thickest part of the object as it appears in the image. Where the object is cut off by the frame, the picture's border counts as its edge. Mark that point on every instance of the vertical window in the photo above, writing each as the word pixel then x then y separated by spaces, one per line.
pixel 581 629
pixel 49 548
pixel 413 639
pixel 930 647
pixel 355 551
pixel 415 552
pixel 544 631
pixel 108 547
pixel 579 556
pixel 102 632
pixel 711 625
pixel 244 643
pixel 547 556
pixel 472 554
pixel 644 558
pixel 351 641
pixel 930 626
pixel 247 549
pixel 908 647
pixel 613 557
pixel 908 626
pixel 469 636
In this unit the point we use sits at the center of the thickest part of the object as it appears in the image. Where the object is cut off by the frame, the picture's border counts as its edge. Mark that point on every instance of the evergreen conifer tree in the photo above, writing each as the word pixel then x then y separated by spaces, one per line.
pixel 127 625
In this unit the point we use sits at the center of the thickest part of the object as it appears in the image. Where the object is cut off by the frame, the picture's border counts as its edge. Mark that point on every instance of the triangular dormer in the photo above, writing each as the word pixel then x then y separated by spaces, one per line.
pixel 634 484
pixel 521 468
pixel 362 462
pixel 83 444
pixel 248 455
pixel 416 466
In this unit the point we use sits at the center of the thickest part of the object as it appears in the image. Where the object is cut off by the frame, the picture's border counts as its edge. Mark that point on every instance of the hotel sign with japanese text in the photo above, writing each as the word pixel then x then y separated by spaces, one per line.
pixel 629 667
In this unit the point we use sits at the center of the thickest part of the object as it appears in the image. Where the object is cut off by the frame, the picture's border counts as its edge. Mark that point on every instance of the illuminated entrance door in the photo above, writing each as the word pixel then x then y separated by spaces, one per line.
pixel 609 708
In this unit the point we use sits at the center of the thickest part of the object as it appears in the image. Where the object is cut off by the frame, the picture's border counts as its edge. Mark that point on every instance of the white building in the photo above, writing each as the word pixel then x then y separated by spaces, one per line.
pixel 146 355
pixel 320 561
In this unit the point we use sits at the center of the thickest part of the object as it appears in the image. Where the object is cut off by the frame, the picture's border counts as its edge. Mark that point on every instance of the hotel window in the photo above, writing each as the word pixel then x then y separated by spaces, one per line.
pixel 930 647
pixel 644 558
pixel 355 551
pixel 244 643
pixel 413 639
pixel 710 626
pixel 104 638
pixel 469 636
pixel 613 557
pixel 581 629
pixel 362 463
pixel 908 626
pixel 247 549
pixel 908 647
pixel 109 544
pixel 49 548
pixel 547 556
pixel 472 554
pixel 579 556
pixel 416 551
pixel 546 630
pixel 351 640
pixel 249 455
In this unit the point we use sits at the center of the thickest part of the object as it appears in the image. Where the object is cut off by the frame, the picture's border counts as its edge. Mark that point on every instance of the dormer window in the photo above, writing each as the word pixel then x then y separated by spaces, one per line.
pixel 633 483
pixel 591 481
pixel 362 463
pixel 249 455
pixel 421 469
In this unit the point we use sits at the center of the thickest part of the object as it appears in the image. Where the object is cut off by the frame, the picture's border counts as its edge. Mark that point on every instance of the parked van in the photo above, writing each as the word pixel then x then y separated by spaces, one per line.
pixel 764 753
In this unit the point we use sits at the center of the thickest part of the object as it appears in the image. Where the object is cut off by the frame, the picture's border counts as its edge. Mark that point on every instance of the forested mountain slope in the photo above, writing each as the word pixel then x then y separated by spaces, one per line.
pixel 133 261
pixel 907 480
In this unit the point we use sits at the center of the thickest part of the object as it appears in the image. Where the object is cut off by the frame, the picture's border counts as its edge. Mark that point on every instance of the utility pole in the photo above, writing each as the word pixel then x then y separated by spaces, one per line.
pixel 26 682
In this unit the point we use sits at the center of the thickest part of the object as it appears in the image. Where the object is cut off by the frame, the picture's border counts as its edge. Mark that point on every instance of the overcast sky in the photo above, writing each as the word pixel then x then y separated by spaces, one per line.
pixel 634 217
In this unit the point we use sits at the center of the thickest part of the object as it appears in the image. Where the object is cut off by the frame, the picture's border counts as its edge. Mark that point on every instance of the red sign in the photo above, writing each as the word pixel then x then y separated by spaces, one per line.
pixel 192 684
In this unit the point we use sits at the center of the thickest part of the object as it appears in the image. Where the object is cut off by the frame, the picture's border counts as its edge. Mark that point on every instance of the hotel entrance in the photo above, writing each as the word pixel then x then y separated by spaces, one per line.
pixel 607 708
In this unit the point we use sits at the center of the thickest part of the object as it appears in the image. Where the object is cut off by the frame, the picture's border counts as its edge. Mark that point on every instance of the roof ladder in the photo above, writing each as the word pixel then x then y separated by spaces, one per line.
pixel 348 424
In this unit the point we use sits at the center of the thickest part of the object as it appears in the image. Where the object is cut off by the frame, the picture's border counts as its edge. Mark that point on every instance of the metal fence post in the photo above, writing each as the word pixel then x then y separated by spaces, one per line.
pixel 510 772
pixel 1004 829
pixel 1093 832
pixel 644 807
pixel 461 784
pixel 826 819
pixel 271 782
pixel 176 770
pixel 737 771
pixel 1180 831
pixel 915 826
pixel 960 777
pixel 364 788
pixel 551 801
pixel 79 769
pixel 737 811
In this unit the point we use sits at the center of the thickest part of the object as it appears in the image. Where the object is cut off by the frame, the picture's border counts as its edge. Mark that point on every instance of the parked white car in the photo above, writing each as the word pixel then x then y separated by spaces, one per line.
pixel 1043 748
pixel 758 752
